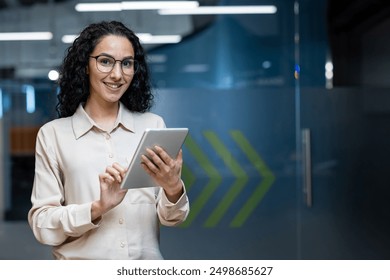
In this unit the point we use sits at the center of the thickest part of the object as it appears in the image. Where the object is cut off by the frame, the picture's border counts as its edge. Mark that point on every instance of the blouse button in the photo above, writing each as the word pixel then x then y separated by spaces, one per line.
pixel 122 244
pixel 121 221
pixel 110 156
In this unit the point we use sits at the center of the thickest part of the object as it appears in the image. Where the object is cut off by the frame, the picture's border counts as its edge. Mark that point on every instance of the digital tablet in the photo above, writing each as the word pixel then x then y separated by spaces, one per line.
pixel 170 139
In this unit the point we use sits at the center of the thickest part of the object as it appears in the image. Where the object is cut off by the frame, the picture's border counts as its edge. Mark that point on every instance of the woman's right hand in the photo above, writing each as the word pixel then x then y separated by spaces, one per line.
pixel 111 193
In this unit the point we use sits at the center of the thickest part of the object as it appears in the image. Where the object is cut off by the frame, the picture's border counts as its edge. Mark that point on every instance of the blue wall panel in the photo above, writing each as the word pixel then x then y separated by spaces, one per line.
pixel 239 170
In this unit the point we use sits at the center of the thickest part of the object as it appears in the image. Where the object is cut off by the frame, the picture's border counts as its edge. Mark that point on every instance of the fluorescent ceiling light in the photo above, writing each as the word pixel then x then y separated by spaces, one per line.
pixel 156 5
pixel 149 39
pixel 26 36
pixel 68 39
pixel 220 10
pixel 98 7
pixel 145 38
pixel 135 5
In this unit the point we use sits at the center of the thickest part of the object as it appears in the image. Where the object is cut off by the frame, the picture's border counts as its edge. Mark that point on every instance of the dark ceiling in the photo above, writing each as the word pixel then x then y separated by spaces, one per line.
pixel 348 15
pixel 26 3
pixel 347 22
pixel 342 14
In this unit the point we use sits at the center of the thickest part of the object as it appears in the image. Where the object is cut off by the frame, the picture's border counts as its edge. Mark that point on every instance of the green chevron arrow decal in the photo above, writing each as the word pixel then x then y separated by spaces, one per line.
pixel 188 177
pixel 261 189
pixel 211 186
pixel 215 179
pixel 235 188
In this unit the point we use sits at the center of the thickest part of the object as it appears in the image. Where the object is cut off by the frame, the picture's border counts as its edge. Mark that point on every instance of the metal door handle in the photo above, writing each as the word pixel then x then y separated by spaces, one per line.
pixel 306 164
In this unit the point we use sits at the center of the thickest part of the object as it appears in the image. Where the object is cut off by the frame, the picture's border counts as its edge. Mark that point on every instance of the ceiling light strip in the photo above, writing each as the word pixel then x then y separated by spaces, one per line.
pixel 221 10
pixel 135 5
pixel 156 5
pixel 145 38
pixel 26 36
pixel 98 7
pixel 68 39
pixel 160 39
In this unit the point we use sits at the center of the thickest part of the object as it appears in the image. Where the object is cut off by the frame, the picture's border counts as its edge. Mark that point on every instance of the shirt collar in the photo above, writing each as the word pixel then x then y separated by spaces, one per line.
pixel 82 123
pixel 125 118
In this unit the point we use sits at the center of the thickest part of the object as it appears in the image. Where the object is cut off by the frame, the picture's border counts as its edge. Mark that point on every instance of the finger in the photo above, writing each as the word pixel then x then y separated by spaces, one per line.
pixel 122 170
pixel 106 178
pixel 154 157
pixel 147 163
pixel 147 169
pixel 179 162
pixel 164 162
pixel 114 173
pixel 180 156
pixel 163 155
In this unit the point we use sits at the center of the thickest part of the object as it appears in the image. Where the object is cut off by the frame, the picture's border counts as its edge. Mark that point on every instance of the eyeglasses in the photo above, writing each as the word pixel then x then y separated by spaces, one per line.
pixel 106 63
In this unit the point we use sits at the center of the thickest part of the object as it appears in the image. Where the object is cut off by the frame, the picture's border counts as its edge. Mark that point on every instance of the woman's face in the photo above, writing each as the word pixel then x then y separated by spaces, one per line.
pixel 108 87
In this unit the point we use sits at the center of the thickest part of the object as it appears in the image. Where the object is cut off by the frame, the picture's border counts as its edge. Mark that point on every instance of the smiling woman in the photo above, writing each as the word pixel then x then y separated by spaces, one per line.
pixel 78 206
pixel 75 82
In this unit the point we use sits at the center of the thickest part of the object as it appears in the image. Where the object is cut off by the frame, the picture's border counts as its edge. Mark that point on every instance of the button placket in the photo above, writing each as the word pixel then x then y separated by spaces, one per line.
pixel 108 140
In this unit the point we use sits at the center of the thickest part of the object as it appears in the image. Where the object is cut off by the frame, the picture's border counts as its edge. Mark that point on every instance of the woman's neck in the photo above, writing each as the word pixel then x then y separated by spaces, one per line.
pixel 104 116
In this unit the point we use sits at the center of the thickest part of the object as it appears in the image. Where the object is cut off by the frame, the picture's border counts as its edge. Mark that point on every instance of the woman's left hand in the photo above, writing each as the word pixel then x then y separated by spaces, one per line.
pixel 165 171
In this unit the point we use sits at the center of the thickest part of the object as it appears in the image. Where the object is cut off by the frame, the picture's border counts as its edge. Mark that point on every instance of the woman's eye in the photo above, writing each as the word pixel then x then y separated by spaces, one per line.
pixel 127 63
pixel 105 61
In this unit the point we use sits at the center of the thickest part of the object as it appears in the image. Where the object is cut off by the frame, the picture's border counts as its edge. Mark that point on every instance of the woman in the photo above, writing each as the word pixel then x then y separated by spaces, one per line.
pixel 78 206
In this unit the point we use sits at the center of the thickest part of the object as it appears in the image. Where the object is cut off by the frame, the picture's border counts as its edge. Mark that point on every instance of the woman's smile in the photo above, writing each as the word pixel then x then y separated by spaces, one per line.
pixel 113 85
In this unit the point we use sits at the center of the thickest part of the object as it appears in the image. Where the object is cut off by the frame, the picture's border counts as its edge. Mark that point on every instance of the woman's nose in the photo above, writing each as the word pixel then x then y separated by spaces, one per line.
pixel 116 70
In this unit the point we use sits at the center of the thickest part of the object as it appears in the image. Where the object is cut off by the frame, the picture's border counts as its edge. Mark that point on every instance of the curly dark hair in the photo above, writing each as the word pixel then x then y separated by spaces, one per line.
pixel 74 81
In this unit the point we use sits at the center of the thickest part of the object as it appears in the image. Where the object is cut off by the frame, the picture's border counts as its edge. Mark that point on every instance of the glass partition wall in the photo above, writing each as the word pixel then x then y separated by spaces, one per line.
pixel 234 84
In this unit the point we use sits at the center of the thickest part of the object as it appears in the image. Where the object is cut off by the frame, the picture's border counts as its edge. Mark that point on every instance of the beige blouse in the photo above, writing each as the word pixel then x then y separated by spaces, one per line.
pixel 70 154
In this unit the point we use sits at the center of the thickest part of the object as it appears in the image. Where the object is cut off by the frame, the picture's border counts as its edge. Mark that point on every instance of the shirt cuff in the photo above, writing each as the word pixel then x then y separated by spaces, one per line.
pixel 82 219
pixel 182 201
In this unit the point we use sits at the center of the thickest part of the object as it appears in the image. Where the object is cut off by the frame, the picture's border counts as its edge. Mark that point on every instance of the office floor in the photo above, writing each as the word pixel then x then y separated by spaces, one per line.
pixel 18 243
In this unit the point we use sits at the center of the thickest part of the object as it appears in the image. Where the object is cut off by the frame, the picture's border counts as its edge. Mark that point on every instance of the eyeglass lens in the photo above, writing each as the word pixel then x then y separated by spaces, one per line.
pixel 106 64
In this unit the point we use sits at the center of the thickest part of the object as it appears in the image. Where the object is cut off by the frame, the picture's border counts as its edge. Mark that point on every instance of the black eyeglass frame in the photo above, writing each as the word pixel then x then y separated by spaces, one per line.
pixel 135 63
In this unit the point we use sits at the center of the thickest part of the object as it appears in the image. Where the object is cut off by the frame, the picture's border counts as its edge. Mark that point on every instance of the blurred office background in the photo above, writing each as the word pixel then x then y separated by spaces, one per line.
pixel 288 106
